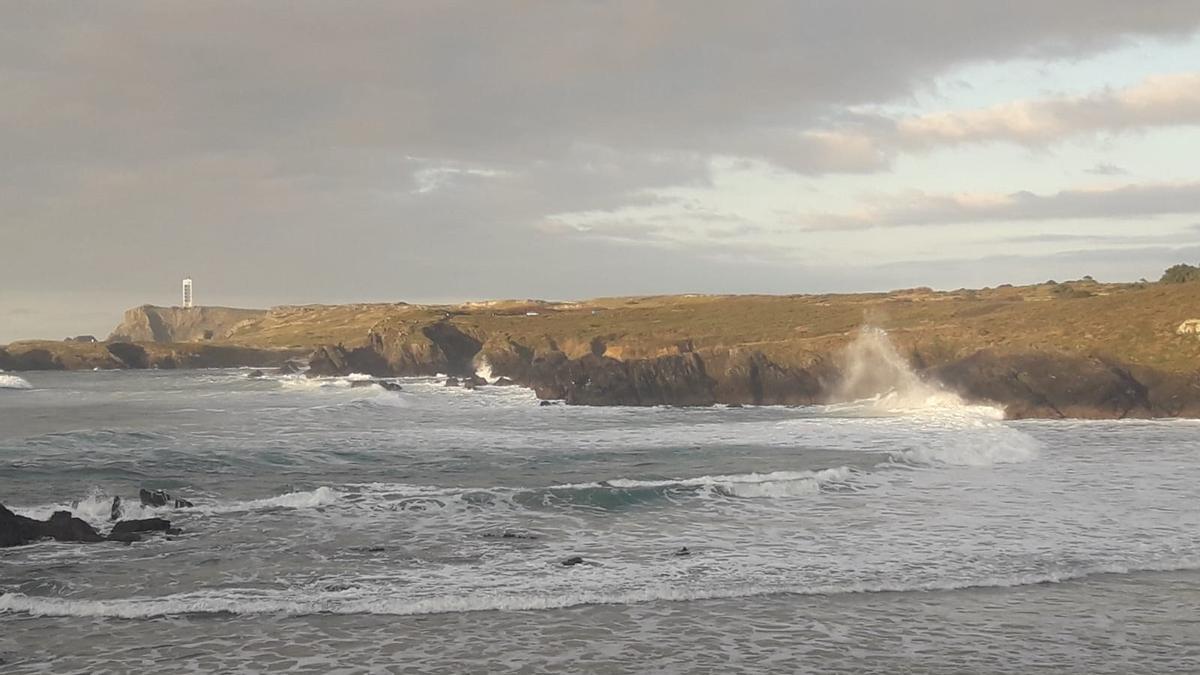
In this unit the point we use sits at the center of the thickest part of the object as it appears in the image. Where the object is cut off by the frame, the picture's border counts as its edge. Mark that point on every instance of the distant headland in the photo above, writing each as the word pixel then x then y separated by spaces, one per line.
pixel 1073 349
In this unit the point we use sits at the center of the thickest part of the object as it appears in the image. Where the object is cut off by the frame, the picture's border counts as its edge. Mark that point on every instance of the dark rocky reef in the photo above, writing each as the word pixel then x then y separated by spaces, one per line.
pixel 1030 384
pixel 18 530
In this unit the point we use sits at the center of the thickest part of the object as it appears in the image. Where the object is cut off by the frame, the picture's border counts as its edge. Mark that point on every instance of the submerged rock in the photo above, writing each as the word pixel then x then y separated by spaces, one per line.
pixel 124 537
pixel 504 382
pixel 572 561
pixel 452 382
pixel 683 551
pixel 255 374
pixel 288 368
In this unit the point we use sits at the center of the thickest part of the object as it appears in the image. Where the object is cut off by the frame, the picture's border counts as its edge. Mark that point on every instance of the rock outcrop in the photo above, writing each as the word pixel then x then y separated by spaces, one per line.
pixel 149 323
pixel 18 530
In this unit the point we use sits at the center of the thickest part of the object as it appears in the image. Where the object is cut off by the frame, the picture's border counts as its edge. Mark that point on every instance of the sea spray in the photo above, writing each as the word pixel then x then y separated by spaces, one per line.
pixel 14 382
pixel 874 370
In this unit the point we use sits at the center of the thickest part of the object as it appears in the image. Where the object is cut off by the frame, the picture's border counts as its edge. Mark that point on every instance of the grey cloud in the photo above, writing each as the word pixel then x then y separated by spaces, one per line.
pixel 919 208
pixel 1107 169
pixel 311 151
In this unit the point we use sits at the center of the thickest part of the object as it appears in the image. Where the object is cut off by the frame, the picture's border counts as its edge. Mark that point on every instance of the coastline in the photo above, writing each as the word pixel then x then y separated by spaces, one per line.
pixel 1104 351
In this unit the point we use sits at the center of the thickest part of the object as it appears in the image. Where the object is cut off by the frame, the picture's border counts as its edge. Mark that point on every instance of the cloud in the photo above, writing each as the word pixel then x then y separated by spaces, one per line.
pixel 305 151
pixel 920 208
pixel 1160 100
pixel 1106 169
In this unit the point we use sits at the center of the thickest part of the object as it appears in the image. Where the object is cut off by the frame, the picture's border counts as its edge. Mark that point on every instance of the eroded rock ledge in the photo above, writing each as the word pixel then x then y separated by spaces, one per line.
pixel 1038 384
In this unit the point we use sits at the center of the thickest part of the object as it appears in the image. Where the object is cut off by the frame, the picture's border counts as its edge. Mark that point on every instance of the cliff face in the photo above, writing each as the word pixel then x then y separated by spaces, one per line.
pixel 179 324
pixel 46 355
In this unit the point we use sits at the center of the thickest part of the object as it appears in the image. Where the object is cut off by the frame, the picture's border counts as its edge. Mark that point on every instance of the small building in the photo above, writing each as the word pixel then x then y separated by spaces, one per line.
pixel 187 292
pixel 1189 327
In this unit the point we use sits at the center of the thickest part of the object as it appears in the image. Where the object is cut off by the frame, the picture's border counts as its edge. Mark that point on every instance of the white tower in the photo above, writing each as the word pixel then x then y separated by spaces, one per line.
pixel 187 292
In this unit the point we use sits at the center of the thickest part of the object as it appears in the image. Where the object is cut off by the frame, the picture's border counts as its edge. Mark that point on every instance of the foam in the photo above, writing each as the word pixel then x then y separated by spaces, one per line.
pixel 14 382
pixel 96 507
pixel 301 602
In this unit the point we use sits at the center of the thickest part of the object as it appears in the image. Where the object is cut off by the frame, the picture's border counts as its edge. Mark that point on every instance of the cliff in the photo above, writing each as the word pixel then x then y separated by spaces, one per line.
pixel 1075 349
pixel 180 324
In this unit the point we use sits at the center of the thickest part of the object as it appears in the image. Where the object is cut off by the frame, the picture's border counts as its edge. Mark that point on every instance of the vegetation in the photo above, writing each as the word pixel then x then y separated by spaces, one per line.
pixel 1180 274
pixel 1134 323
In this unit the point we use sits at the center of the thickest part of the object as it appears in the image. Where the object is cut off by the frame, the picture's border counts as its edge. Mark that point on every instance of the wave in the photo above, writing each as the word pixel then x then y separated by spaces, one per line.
pixel 302 602
pixel 96 507
pixel 14 382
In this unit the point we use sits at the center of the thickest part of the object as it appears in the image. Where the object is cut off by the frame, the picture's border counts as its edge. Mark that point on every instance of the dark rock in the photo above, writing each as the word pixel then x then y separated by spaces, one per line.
pixel 115 511
pixel 254 374
pixel 124 537
pixel 288 368
pixel 183 504
pixel 547 403
pixel 142 525
pixel 1048 385
pixel 18 530
pixel 62 526
pixel 683 551
pixel 155 499
pixel 504 382
pixel 173 531
pixel 452 382
pixel 129 354
pixel 358 384
pixel 573 560
pixel 473 381
pixel 602 380
pixel 390 386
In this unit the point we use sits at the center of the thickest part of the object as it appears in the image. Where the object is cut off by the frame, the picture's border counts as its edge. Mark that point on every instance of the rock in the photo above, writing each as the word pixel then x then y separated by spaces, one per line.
pixel 288 368
pixel 159 498
pixel 473 381
pixel 358 384
pixel 173 531
pixel 115 511
pixel 504 382
pixel 18 530
pixel 254 374
pixel 155 498
pixel 683 551
pixel 62 526
pixel 572 561
pixel 452 382
pixel 390 386
pixel 124 537
pixel 142 525
pixel 547 403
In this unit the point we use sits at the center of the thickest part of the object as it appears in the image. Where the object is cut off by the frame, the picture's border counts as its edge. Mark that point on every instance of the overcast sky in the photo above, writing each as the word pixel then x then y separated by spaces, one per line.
pixel 294 152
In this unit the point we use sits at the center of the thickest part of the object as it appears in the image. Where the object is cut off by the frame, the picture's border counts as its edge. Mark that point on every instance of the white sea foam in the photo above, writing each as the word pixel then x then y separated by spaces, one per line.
pixel 308 499
pixel 772 484
pixel 14 382
pixel 301 602
pixel 96 507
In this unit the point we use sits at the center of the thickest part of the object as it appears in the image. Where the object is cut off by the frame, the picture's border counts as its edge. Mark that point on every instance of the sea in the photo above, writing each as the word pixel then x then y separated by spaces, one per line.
pixel 351 529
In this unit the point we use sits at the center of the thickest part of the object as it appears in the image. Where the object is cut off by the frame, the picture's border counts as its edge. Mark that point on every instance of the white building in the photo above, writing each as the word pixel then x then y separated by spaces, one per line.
pixel 1189 327
pixel 187 292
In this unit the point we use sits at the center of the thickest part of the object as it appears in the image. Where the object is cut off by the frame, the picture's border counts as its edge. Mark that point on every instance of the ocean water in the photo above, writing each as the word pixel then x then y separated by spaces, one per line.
pixel 341 529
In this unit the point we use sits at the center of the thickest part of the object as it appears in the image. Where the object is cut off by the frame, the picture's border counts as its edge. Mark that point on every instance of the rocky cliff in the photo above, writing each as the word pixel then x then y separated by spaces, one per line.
pixel 149 323
pixel 1075 349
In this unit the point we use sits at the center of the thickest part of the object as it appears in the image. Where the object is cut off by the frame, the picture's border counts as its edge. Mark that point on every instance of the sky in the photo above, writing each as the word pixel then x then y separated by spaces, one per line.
pixel 314 152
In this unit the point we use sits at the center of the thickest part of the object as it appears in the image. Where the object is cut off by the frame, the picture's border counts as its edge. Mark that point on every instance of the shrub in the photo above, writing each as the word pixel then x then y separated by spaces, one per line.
pixel 1180 274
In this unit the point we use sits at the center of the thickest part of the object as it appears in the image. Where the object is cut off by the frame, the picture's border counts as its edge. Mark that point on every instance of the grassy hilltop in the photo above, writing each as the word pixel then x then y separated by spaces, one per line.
pixel 1135 323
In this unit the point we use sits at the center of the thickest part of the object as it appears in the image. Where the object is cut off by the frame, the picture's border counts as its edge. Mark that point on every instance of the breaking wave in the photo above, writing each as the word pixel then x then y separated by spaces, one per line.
pixel 302 602
pixel 13 382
